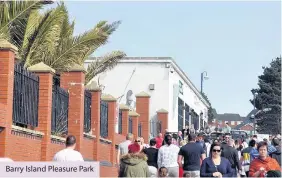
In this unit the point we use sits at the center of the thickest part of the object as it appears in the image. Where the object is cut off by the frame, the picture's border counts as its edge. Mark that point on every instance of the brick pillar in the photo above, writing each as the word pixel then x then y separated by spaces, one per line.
pixel 135 120
pixel 95 117
pixel 162 116
pixel 111 124
pixel 125 111
pixel 7 63
pixel 143 108
pixel 73 81
pixel 45 74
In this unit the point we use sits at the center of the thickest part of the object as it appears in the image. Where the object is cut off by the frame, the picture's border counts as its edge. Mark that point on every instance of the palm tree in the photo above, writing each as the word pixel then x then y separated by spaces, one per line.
pixel 49 37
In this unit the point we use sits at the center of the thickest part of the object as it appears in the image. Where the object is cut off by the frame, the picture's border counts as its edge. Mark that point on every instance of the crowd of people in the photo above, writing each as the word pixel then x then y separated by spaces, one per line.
pixel 194 155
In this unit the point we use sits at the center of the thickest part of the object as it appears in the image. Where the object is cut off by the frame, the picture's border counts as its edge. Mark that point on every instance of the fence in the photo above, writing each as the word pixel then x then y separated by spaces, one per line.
pixel 26 97
pixel 87 111
pixel 120 122
pixel 60 105
pixel 104 119
pixel 129 125
pixel 139 130
pixel 155 127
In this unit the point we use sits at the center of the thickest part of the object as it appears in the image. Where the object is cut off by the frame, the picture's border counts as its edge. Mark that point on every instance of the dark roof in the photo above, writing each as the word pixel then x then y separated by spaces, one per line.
pixel 229 117
pixel 247 119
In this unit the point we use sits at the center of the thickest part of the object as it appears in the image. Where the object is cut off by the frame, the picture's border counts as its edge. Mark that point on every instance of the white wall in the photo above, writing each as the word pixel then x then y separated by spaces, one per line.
pixel 115 82
pixel 165 81
pixel 189 97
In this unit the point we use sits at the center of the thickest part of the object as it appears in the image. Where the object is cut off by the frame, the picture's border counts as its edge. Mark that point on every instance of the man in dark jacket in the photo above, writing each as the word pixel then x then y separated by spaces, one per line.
pixel 224 143
pixel 231 154
pixel 277 154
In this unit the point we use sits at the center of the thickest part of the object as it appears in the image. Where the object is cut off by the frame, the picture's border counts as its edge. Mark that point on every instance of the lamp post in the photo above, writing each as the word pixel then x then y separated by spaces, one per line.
pixel 254 115
pixel 204 75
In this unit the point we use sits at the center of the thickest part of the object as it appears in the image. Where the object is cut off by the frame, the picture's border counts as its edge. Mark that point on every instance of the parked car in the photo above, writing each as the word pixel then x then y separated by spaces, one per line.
pixel 216 135
pixel 238 134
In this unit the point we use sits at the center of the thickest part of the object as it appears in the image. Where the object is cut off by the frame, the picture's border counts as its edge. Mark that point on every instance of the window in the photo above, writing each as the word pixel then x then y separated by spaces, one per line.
pixel 239 122
pixel 219 122
pixel 232 123
pixel 180 114
pixel 180 87
pixel 186 114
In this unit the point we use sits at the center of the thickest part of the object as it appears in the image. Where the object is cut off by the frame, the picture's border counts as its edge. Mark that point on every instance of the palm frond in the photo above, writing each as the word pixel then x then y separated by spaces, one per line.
pixel 103 64
pixel 106 30
pixel 46 42
pixel 13 16
pixel 73 49
pixel 34 21
pixel 31 39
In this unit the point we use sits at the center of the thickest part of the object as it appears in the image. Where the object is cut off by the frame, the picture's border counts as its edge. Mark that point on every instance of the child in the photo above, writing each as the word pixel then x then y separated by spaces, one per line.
pixel 163 172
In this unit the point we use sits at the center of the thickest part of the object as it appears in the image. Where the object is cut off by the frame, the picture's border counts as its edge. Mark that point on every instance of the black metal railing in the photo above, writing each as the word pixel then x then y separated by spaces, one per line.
pixel 60 106
pixel 26 97
pixel 139 130
pixel 104 119
pixel 129 125
pixel 87 111
pixel 120 122
pixel 155 127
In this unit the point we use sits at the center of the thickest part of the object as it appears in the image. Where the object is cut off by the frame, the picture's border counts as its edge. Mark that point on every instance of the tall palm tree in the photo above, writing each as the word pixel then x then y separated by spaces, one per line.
pixel 49 38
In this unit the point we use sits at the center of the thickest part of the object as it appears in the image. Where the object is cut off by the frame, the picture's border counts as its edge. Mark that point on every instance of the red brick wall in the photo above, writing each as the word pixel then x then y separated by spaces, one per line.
pixel 143 108
pixel 24 147
pixel 54 148
pixel 3 110
pixel 105 151
pixel 87 148
pixel 21 146
pixel 108 171
pixel 119 138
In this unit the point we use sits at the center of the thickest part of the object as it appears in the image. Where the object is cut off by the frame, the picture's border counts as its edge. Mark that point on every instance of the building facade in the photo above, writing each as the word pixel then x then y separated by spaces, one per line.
pixel 165 82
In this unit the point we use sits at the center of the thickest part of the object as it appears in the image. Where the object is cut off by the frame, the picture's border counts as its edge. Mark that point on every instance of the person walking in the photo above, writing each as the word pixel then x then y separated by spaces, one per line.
pixel 69 154
pixel 134 164
pixel 192 153
pixel 215 165
pixel 264 163
pixel 246 156
pixel 167 157
pixel 231 154
pixel 207 147
pixel 185 132
pixel 159 140
pixel 152 155
pixel 277 154
pixel 123 147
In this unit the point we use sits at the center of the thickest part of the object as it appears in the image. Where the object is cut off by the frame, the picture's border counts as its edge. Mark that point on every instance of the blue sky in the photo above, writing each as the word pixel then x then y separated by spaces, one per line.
pixel 229 40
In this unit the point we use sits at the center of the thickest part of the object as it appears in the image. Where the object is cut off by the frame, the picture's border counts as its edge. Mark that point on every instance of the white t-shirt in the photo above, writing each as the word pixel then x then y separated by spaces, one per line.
pixel 67 154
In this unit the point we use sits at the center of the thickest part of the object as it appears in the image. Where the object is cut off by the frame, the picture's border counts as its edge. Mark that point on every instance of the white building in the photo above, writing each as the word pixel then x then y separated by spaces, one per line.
pixel 167 85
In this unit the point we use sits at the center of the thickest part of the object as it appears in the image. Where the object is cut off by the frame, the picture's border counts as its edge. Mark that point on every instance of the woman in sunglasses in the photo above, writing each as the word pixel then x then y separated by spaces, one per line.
pixel 215 165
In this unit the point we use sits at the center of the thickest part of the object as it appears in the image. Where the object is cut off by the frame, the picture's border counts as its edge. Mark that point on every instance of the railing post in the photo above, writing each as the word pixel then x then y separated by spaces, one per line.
pixel 125 110
pixel 95 117
pixel 111 124
pixel 162 116
pixel 143 108
pixel 135 121
pixel 45 74
pixel 7 64
pixel 73 81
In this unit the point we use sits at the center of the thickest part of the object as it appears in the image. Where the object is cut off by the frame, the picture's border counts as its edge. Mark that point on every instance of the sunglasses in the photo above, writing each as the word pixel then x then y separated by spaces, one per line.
pixel 137 141
pixel 216 151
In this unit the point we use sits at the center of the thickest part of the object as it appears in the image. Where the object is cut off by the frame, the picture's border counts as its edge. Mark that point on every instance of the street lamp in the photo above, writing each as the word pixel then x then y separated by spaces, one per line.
pixel 204 76
pixel 254 116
